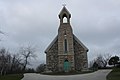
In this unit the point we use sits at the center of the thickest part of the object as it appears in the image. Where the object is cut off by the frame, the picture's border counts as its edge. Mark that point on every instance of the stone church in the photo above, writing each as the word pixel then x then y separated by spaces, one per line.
pixel 66 52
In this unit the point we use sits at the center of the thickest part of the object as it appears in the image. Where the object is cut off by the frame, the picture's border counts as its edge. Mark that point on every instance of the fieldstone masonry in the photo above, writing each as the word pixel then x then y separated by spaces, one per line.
pixel 66 52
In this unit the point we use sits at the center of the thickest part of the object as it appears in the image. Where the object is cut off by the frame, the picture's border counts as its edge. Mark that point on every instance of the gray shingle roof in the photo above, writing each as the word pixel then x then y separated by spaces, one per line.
pixel 74 37
pixel 51 44
pixel 80 42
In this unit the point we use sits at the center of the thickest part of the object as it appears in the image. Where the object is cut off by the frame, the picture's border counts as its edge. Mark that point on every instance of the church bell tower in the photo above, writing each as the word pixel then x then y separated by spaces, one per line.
pixel 65 42
pixel 66 52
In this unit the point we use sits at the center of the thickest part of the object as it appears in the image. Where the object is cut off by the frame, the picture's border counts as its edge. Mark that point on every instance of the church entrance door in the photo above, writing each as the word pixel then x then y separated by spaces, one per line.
pixel 66 65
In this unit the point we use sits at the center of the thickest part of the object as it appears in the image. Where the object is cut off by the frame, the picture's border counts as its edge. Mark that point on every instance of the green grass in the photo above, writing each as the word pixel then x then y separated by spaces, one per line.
pixel 114 74
pixel 12 77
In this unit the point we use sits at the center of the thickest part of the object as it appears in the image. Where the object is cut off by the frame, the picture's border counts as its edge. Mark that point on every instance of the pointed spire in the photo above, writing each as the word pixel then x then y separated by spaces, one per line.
pixel 64 13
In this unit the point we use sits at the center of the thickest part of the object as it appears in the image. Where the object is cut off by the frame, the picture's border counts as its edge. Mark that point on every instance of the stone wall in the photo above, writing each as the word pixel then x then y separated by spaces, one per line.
pixel 80 56
pixel 52 57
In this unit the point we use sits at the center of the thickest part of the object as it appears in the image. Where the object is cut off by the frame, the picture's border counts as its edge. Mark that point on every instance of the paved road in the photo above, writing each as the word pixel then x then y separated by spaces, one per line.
pixel 98 75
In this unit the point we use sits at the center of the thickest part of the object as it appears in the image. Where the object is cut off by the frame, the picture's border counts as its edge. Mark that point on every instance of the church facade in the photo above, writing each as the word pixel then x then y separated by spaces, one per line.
pixel 66 52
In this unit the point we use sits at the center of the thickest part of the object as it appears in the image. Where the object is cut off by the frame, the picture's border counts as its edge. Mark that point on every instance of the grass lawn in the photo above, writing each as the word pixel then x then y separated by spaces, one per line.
pixel 12 77
pixel 114 74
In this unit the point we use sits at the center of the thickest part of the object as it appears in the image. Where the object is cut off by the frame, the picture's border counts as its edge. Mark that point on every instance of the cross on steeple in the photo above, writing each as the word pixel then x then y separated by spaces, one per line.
pixel 64 5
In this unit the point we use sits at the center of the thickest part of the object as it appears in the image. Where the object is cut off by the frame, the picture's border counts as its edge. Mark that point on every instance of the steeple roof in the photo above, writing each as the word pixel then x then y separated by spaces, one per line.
pixel 64 11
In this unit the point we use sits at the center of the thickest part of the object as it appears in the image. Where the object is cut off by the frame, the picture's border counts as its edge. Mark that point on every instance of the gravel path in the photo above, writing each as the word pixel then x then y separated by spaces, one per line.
pixel 98 75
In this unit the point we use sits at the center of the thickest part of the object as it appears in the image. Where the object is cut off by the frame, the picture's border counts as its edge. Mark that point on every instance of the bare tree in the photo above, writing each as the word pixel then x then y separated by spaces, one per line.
pixel 101 60
pixel 16 64
pixel 9 63
pixel 27 53
pixel 41 68
pixel 2 60
pixel 1 33
pixel 5 61
pixel 107 57
pixel 91 63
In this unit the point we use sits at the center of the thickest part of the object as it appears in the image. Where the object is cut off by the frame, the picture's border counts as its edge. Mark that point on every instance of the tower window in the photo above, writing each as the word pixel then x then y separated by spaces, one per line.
pixel 65 20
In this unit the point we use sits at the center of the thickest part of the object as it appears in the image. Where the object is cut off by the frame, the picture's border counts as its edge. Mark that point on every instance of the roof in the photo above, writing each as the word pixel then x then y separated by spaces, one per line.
pixel 51 44
pixel 64 10
pixel 80 42
pixel 56 38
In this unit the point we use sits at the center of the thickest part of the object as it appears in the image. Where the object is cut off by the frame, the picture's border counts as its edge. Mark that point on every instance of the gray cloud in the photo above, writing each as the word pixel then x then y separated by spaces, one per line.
pixel 95 23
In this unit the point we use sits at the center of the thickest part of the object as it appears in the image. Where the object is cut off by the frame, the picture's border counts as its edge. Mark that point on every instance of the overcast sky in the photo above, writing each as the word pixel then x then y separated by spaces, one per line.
pixel 95 22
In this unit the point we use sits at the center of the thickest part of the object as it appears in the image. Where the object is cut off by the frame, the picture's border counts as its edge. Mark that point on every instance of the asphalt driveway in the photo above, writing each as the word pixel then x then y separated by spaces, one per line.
pixel 98 75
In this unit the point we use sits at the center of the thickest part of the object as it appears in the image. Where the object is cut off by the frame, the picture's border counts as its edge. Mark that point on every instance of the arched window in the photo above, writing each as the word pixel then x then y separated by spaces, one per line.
pixel 65 45
pixel 64 17
pixel 65 20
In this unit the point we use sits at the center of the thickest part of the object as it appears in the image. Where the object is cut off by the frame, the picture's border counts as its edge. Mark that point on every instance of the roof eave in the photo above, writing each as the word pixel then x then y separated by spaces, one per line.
pixel 51 44
pixel 85 48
